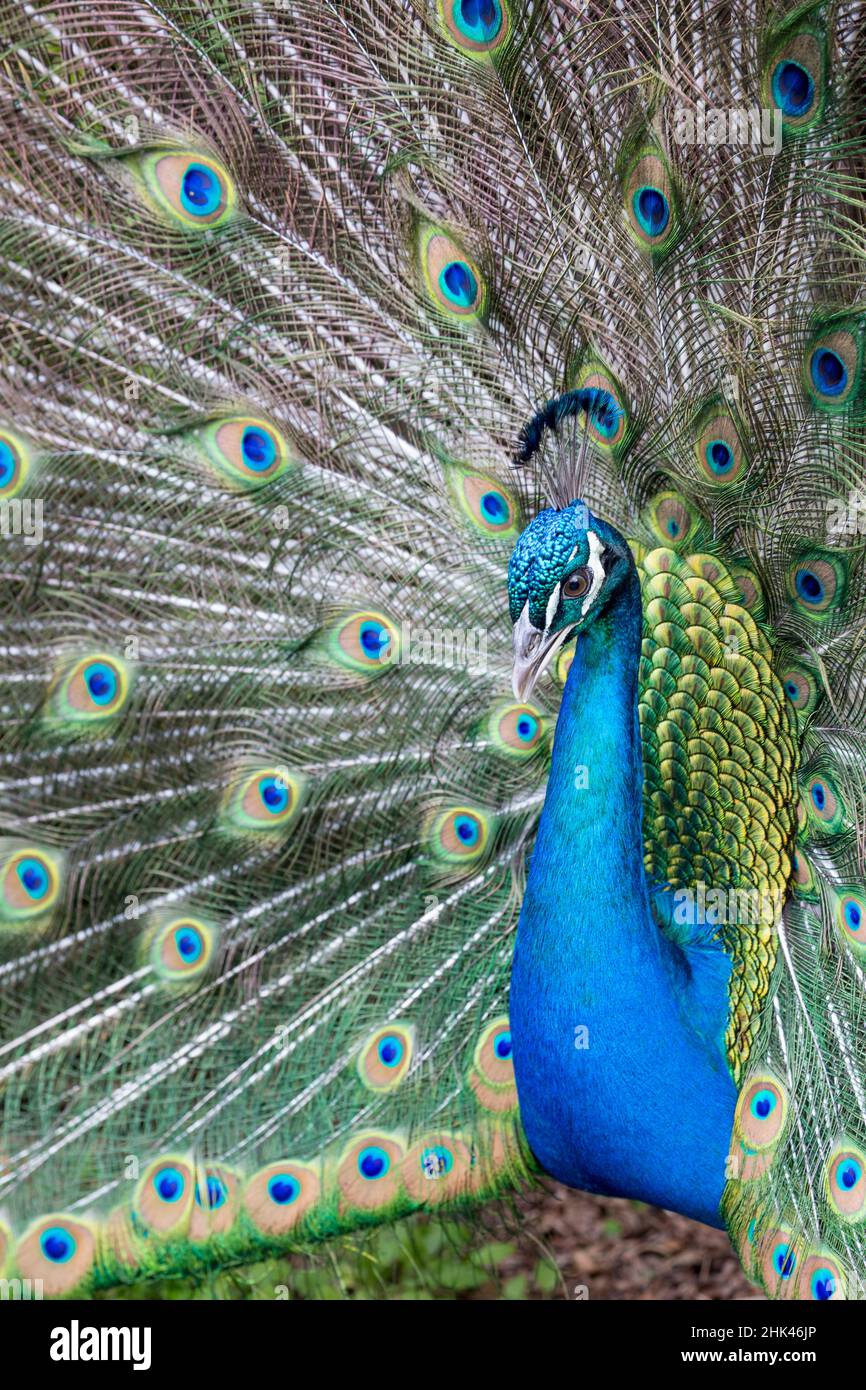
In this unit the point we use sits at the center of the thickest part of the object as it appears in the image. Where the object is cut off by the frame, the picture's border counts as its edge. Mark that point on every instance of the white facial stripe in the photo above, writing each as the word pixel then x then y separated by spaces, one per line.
pixel 552 605
pixel 597 568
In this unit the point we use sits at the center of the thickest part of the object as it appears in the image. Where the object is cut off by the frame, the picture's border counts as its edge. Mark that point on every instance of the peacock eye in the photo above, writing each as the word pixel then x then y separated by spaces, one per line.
pixel 577 584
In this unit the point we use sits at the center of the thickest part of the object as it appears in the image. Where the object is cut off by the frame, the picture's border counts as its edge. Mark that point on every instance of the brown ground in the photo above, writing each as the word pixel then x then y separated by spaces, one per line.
pixel 624 1250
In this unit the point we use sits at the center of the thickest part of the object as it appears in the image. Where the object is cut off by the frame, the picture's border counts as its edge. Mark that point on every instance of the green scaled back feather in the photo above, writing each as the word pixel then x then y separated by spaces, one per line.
pixel 281 298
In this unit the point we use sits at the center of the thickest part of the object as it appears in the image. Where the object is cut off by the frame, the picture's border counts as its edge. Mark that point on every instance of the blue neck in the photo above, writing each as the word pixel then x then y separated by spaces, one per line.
pixel 618 1032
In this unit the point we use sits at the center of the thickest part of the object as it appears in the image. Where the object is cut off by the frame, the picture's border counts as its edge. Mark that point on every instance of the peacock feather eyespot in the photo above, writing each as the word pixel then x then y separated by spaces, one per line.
pixel 822 1278
pixel 850 918
pixel 817 582
pixel 650 203
pixel 180 949
pixel 58 1244
pixel 750 591
pixel 262 800
pixel 284 1189
pixel 516 730
pixel 479 28
pixel 651 209
pixel 368 1174
pixel 825 807
pixel 244 452
pixel 833 364
pixel 795 80
pixel 365 641
pixel 169 1184
pixel 606 427
pixel 801 687
pixel 212 1194
pixel 845 1183
pixel 793 88
pixel 459 834
pixel 805 884
pixel 59 1251
pixel 215 1202
pixel 385 1058
pixel 16 457
pixel 280 1195
pixel 488 507
pixel 491 1075
pixel 165 1195
pixel 452 280
pixel 186 187
pixel 373 1163
pixel 778 1261
pixel 672 520
pixel 31 879
pixel 761 1113
pixel 718 448
pixel 88 691
pixel 438 1167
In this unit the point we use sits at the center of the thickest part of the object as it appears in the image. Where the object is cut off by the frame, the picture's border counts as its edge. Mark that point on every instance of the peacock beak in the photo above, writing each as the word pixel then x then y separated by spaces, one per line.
pixel 533 652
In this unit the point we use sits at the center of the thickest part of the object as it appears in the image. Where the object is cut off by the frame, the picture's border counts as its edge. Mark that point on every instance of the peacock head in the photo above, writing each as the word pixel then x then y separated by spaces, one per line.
pixel 563 574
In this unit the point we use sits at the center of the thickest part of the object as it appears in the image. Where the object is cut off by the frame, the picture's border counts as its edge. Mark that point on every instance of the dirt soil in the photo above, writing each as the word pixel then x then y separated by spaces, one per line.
pixel 618 1249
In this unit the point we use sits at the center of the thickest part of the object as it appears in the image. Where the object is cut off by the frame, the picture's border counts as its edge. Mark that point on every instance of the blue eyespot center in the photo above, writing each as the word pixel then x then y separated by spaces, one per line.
pixel 373 1163
pixel 8 463
pixel 784 1261
pixel 458 284
pixel 375 640
pixel 274 794
pixel 169 1184
pixel 651 209
pixel 527 727
pixel 763 1104
pixel 189 944
pixel 793 88
pixel 823 1284
pixel 819 796
pixel 34 878
pixel 853 916
pixel 215 1191
pixel 284 1189
pixel 466 829
pixel 58 1245
pixel 201 190
pixel 849 1175
pixel 808 586
pixel 258 449
pixel 502 1046
pixel 436 1161
pixel 828 371
pixel 101 682
pixel 479 20
pixel 390 1051
pixel 494 508
pixel 720 456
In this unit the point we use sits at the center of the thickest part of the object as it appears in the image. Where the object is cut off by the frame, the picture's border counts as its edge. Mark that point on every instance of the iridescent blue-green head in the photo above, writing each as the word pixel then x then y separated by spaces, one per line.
pixel 563 574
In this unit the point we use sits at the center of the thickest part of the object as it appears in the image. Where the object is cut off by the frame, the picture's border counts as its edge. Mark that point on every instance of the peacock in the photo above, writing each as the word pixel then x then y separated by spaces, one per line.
pixel 387 385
